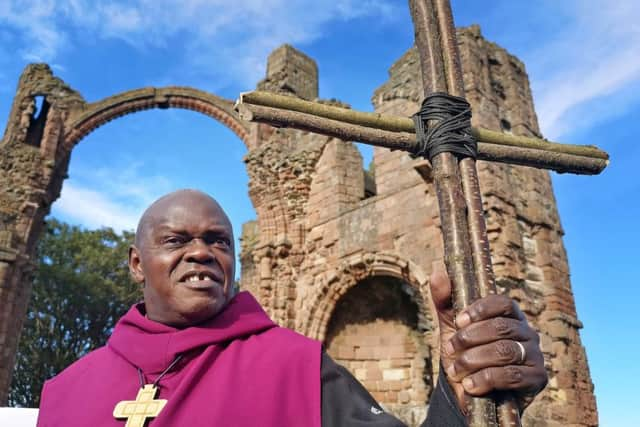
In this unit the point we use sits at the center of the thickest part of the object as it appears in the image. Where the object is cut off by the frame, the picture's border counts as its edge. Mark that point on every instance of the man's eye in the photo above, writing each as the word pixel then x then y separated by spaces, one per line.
pixel 222 241
pixel 173 240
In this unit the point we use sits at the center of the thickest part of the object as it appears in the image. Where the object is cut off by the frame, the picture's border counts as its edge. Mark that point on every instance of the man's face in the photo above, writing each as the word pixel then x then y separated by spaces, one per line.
pixel 185 259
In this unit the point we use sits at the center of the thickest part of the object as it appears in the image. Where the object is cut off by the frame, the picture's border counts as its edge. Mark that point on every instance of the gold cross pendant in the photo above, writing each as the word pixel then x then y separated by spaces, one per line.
pixel 137 411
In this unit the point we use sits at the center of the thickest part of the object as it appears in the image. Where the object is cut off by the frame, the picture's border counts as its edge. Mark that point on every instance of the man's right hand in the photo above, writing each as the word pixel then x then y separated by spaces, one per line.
pixel 488 346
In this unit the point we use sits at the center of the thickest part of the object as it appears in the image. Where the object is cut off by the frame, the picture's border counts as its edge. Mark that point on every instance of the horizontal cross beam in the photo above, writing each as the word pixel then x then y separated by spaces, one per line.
pixel 398 133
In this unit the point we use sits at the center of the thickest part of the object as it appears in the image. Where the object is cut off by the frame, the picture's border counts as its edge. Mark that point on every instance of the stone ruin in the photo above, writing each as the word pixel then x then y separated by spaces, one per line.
pixel 337 252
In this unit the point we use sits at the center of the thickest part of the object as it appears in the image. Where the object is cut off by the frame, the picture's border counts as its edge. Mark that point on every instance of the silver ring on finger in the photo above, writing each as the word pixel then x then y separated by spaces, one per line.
pixel 523 352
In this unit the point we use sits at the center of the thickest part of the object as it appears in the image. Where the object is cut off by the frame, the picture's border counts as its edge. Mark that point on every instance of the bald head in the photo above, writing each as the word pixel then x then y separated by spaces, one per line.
pixel 158 209
pixel 184 255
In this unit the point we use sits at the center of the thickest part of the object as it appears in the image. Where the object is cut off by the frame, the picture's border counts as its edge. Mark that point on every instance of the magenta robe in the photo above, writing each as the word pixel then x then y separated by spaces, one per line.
pixel 238 370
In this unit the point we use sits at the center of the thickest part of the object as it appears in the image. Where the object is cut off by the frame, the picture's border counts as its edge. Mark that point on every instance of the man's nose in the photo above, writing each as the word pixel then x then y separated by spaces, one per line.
pixel 199 251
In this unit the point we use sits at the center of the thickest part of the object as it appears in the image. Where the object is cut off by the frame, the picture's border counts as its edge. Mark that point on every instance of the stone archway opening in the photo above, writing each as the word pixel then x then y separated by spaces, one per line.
pixel 129 162
pixel 375 332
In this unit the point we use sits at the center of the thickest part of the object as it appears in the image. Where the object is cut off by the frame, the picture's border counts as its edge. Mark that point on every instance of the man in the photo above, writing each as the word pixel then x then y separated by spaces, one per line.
pixel 195 354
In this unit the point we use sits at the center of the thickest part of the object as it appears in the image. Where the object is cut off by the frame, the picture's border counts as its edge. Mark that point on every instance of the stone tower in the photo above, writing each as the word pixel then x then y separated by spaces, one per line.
pixel 291 71
pixel 349 265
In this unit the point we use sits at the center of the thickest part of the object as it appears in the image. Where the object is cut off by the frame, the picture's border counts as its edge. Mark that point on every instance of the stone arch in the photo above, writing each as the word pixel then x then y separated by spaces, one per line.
pixel 374 332
pixel 314 317
pixel 98 113
pixel 373 317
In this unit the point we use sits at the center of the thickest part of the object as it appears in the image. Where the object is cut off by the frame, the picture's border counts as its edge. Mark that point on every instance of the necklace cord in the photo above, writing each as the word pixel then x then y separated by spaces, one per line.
pixel 155 383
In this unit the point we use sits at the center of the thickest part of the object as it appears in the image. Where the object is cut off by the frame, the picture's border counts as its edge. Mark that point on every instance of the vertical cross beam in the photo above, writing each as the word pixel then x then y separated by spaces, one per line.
pixel 466 246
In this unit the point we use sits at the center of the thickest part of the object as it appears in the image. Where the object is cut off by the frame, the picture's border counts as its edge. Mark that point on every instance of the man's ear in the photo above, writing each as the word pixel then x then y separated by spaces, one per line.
pixel 135 265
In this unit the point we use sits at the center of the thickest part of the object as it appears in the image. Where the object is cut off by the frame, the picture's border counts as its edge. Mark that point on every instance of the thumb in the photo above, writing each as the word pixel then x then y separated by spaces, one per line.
pixel 441 289
pixel 441 296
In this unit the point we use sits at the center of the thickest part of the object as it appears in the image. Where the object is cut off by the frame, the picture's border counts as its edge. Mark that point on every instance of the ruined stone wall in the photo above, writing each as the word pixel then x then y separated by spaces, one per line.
pixel 322 255
pixel 280 171
pixel 350 241
pixel 32 168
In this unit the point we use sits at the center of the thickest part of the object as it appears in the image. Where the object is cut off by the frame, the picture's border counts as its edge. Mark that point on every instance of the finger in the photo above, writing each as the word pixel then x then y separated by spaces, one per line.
pixel 440 288
pixel 522 379
pixel 495 354
pixel 486 331
pixel 488 307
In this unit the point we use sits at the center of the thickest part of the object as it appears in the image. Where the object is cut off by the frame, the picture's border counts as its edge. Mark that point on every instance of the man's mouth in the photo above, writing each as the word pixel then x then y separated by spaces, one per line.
pixel 197 277
pixel 200 278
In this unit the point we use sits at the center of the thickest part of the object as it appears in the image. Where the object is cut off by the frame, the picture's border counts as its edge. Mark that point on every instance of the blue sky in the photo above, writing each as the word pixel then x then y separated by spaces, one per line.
pixel 583 59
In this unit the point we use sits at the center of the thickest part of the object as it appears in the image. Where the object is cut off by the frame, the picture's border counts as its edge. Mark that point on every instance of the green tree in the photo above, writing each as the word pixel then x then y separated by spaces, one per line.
pixel 80 289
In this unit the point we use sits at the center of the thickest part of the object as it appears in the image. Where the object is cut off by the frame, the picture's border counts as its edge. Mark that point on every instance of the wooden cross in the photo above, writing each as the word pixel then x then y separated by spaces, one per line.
pixel 466 246
pixel 145 406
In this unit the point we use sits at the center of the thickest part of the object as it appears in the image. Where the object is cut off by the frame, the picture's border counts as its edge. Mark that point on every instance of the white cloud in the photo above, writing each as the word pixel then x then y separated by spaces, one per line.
pixel 104 197
pixel 234 36
pixel 595 59
pixel 34 20
pixel 94 209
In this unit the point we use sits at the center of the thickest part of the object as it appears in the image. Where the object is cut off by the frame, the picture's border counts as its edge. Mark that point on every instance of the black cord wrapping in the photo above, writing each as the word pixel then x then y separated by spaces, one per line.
pixel 449 130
